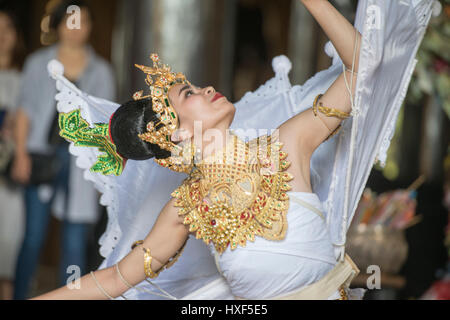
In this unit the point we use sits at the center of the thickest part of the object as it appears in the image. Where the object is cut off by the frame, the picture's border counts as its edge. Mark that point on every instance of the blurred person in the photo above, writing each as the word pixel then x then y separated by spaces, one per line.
pixel 42 161
pixel 11 202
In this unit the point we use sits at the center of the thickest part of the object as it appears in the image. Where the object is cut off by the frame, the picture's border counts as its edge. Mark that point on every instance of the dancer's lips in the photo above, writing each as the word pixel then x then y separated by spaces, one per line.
pixel 217 97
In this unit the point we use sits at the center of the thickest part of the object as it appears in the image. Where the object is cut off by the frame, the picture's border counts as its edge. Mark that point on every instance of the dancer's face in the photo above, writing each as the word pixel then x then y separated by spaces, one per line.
pixel 204 105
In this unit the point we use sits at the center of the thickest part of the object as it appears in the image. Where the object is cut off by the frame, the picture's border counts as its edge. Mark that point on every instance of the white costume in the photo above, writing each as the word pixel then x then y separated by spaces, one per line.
pixel 302 258
pixel 391 33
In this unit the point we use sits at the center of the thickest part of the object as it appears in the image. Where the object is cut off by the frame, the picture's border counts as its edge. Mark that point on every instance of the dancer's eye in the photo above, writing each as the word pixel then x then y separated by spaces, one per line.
pixel 188 93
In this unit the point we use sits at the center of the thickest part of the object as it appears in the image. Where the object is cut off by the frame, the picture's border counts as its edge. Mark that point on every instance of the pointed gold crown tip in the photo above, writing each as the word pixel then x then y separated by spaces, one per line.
pixel 141 67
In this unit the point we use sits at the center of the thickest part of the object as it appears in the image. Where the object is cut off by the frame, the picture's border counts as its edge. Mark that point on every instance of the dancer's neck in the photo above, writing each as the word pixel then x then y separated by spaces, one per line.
pixel 213 141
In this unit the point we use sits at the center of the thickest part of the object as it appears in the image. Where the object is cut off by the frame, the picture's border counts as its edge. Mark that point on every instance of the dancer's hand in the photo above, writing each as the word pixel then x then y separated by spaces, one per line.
pixel 337 28
pixel 307 129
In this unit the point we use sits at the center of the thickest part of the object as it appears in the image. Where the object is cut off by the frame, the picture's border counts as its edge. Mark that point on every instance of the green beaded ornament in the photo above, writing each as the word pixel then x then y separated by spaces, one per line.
pixel 75 129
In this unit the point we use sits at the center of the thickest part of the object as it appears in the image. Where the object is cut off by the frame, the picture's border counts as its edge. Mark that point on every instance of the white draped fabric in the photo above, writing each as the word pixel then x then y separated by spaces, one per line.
pixel 303 257
pixel 391 33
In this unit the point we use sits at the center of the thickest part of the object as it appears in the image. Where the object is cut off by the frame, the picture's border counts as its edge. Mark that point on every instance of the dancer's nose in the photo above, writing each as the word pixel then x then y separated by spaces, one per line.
pixel 210 91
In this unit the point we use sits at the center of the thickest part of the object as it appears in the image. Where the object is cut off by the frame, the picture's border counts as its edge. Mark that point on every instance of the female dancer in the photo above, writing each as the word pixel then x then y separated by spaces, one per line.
pixel 292 248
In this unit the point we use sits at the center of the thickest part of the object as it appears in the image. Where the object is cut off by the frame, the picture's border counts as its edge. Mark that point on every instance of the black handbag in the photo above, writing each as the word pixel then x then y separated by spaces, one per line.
pixel 44 166
pixel 44 169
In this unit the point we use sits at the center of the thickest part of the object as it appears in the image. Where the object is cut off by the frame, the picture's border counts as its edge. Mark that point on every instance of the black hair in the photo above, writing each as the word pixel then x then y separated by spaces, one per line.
pixel 60 12
pixel 19 52
pixel 127 123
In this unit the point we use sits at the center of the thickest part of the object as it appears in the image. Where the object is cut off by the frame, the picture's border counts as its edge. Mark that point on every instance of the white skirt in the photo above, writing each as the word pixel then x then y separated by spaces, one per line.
pixel 266 269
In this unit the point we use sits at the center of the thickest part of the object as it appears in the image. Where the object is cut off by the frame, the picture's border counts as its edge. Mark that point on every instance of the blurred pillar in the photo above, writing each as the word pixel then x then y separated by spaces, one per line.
pixel 302 43
pixel 424 141
pixel 189 35
pixel 434 142
pixel 411 135
pixel 307 40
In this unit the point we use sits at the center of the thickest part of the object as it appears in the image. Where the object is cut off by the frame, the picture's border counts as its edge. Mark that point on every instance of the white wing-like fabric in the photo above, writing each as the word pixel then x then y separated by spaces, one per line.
pixel 392 32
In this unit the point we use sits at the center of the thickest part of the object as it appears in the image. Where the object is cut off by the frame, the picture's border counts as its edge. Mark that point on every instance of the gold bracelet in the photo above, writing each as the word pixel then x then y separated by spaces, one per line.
pixel 171 260
pixel 148 265
pixel 316 114
pixel 137 243
pixel 315 111
pixel 147 260
pixel 334 132
pixel 343 294
pixel 349 70
pixel 329 112
pixel 122 278
pixel 101 288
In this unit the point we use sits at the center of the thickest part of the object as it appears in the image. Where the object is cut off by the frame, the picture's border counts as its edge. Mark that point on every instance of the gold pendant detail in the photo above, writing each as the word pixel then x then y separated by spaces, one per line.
pixel 237 194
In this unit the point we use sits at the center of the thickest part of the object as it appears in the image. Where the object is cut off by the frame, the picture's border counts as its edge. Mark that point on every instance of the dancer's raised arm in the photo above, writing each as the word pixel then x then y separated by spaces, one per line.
pixel 310 129
pixel 337 28
pixel 163 242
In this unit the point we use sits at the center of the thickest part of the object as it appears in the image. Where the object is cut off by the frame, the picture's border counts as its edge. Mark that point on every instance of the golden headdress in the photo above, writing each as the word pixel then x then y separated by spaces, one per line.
pixel 160 78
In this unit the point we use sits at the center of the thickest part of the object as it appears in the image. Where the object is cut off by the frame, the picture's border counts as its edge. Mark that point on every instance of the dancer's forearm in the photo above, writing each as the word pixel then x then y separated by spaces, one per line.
pixel 338 29
pixel 165 239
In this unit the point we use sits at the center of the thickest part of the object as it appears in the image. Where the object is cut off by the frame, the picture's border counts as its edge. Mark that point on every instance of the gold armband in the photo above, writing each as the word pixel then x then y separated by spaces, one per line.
pixel 175 257
pixel 329 112
pixel 137 243
pixel 335 131
pixel 148 265
pixel 148 260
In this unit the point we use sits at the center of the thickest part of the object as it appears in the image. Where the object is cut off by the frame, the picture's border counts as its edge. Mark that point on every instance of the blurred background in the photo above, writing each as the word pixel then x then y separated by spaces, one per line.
pixel 229 44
